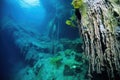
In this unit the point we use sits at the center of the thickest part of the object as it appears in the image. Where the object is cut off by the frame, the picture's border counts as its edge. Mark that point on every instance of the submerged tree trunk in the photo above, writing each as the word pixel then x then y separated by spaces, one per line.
pixel 98 28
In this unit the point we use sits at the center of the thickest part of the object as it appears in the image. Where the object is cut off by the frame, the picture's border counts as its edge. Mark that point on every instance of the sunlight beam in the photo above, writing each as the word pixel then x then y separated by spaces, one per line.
pixel 29 3
pixel 32 2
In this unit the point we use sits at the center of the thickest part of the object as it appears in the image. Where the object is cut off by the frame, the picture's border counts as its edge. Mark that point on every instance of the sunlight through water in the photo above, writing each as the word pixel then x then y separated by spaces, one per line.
pixel 29 3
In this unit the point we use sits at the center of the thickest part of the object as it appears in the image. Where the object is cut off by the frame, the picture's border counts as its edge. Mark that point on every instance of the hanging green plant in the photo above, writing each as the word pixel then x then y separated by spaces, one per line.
pixel 77 3
pixel 71 21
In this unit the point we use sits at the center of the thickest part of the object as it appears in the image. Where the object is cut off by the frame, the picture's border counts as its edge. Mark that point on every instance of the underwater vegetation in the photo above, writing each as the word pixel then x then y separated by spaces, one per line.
pixel 77 3
pixel 44 53
pixel 37 33
pixel 98 24
pixel 71 22
pixel 56 61
pixel 67 63
pixel 64 64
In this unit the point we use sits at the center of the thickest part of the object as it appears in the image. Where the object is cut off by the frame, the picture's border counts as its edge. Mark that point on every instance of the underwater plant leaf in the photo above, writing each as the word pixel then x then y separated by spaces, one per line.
pixel 70 23
pixel 77 3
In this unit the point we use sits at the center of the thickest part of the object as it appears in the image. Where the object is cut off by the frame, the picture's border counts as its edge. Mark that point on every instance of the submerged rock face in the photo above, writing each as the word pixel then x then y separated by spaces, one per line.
pixel 65 64
pixel 45 59
pixel 97 26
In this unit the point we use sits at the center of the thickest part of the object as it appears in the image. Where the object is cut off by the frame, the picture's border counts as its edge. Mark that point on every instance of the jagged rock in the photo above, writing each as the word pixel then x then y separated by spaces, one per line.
pixel 99 18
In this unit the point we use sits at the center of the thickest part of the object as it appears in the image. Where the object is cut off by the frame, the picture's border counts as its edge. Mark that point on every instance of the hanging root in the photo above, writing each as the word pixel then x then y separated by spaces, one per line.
pixel 101 45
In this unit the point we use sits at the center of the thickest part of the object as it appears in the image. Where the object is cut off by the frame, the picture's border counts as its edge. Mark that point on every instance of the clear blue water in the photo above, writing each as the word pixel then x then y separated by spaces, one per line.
pixel 37 44
pixel 30 15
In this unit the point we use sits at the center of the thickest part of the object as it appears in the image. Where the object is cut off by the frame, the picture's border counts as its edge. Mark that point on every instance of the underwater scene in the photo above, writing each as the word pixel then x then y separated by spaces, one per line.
pixel 59 39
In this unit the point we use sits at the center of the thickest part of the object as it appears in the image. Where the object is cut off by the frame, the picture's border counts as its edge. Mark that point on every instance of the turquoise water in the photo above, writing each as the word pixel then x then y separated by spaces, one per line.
pixel 35 42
